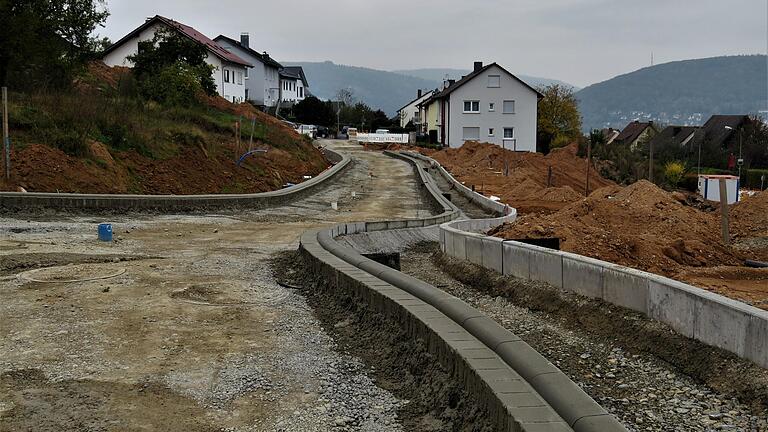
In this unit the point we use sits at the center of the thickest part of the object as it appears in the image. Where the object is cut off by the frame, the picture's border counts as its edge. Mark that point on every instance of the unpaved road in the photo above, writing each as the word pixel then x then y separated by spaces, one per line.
pixel 195 334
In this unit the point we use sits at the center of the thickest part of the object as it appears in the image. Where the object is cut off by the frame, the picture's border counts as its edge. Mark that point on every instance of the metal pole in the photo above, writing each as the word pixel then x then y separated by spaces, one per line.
pixel 650 162
pixel 740 161
pixel 698 169
pixel 6 138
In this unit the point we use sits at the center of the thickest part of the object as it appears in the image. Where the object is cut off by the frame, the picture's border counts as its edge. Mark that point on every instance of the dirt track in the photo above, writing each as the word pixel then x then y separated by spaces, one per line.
pixel 196 334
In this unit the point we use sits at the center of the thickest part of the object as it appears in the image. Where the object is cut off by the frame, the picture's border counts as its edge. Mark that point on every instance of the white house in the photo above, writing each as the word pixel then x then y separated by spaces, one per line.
pixel 411 111
pixel 229 69
pixel 488 105
pixel 262 82
pixel 293 84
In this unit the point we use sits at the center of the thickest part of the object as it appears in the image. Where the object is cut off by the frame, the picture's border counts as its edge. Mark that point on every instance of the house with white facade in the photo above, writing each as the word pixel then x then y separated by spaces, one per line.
pixel 229 70
pixel 411 112
pixel 293 84
pixel 262 82
pixel 489 105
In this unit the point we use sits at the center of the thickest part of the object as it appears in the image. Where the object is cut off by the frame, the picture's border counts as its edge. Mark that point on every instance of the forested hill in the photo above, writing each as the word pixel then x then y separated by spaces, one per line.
pixel 681 93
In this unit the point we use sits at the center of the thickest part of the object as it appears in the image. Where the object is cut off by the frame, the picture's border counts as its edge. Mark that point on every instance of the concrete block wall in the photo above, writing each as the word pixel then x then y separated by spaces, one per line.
pixel 10 201
pixel 693 312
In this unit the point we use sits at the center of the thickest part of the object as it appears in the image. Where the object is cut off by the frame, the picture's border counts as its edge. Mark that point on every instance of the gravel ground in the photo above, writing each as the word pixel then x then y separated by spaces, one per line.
pixel 196 335
pixel 645 393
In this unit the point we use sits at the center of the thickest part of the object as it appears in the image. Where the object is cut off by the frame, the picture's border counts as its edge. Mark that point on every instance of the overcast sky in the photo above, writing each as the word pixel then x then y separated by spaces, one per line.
pixel 578 41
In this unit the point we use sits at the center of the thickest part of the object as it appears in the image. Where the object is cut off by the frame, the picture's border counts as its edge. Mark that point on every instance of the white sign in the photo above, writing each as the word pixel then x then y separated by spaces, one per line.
pixel 383 138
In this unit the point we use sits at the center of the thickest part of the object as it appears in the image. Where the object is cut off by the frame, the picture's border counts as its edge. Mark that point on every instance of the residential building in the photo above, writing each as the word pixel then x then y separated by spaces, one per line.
pixel 411 111
pixel 723 130
pixel 293 84
pixel 636 133
pixel 610 134
pixel 228 69
pixel 262 82
pixel 675 136
pixel 489 105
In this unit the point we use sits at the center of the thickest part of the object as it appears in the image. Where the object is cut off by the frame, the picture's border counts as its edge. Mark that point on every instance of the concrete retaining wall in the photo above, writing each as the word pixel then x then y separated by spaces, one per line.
pixel 171 203
pixel 693 312
pixel 520 388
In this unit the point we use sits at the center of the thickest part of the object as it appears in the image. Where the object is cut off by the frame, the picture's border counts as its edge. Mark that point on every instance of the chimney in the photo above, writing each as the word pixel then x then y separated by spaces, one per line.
pixel 245 39
pixel 478 66
pixel 418 93
pixel 266 54
pixel 451 82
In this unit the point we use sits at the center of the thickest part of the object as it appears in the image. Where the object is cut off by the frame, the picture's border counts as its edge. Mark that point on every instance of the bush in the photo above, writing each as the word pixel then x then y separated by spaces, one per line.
pixel 72 143
pixel 673 172
pixel 176 84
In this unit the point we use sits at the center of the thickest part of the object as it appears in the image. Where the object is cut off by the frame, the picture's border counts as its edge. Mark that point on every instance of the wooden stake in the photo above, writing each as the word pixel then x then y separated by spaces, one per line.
pixel 6 137
pixel 250 141
pixel 724 211
pixel 589 162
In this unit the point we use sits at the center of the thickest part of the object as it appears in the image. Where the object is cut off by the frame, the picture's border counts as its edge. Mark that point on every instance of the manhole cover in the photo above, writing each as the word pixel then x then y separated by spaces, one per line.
pixel 72 273
pixel 230 294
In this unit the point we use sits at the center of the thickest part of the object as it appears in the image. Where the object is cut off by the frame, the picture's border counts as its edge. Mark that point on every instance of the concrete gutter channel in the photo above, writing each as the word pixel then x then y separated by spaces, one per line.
pixel 693 312
pixel 521 389
pixel 11 201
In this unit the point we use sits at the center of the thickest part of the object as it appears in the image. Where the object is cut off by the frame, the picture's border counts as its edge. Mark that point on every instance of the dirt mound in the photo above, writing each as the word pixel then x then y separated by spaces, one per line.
pixel 529 187
pixel 639 226
pixel 750 216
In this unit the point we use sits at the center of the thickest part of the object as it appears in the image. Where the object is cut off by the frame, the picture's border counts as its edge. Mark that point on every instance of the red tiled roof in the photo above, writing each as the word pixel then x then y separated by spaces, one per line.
pixel 191 33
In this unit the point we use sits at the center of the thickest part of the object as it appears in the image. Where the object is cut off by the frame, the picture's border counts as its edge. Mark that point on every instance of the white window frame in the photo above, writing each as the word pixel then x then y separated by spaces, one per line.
pixel 505 133
pixel 246 73
pixel 503 107
pixel 491 132
pixel 472 104
pixel 240 78
pixel 226 75
pixel 491 107
pixel 494 85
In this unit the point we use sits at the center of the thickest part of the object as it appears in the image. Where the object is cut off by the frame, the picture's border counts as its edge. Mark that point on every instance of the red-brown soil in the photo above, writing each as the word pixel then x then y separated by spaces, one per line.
pixel 643 227
pixel 39 168
pixel 482 165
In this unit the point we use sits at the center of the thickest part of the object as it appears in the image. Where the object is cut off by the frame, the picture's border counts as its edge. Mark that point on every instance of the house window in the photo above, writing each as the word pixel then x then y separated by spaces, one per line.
pixel 509 107
pixel 301 91
pixel 471 133
pixel 246 73
pixel 494 81
pixel 471 106
pixel 490 132
pixel 491 107
pixel 240 78
pixel 509 133
pixel 226 75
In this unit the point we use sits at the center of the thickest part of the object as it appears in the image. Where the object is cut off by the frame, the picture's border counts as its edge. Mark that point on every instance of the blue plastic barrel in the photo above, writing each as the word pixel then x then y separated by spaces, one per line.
pixel 105 232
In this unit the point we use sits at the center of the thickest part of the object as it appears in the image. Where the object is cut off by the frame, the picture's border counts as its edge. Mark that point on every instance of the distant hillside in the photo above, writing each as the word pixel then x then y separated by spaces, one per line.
pixel 379 89
pixel 681 93
pixel 437 75
pixel 387 91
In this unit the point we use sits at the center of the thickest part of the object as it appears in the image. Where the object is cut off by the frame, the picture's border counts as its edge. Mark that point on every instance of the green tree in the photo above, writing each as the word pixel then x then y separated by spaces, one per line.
pixel 171 69
pixel 312 110
pixel 558 115
pixel 44 42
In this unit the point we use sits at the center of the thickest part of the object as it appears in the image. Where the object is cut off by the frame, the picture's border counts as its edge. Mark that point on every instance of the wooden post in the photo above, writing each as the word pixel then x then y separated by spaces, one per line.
pixel 724 211
pixel 250 141
pixel 589 162
pixel 549 176
pixel 6 137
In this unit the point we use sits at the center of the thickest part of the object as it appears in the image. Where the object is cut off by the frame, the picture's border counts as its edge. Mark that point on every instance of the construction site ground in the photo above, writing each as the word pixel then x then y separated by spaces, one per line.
pixel 182 325
pixel 640 226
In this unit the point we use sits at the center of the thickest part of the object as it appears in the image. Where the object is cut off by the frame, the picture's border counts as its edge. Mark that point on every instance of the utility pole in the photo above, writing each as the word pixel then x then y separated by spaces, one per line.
pixel 6 137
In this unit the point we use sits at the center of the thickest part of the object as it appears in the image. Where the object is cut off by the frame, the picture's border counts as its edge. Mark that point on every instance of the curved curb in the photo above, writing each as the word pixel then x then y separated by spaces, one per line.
pixel 546 399
pixel 167 203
